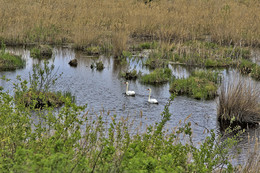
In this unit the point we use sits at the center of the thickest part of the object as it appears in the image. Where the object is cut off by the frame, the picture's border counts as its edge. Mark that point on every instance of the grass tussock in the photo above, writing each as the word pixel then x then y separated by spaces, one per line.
pixel 86 22
pixel 200 85
pixel 239 100
pixel 158 76
pixel 131 74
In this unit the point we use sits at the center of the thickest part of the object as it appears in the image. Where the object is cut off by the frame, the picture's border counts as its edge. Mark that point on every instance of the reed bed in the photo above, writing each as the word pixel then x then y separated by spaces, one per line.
pixel 239 99
pixel 91 22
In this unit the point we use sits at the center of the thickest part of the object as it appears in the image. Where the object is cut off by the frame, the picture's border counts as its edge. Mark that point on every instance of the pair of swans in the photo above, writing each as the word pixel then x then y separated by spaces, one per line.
pixel 132 93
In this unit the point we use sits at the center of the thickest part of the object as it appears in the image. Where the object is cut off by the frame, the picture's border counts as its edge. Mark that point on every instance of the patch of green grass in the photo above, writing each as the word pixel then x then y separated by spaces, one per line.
pixel 158 76
pixel 145 45
pixel 9 61
pixel 35 53
pixel 200 85
pixel 158 59
pixel 207 54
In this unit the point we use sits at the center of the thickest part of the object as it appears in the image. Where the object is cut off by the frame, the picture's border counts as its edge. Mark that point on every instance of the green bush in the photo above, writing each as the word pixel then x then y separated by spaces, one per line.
pixel 37 94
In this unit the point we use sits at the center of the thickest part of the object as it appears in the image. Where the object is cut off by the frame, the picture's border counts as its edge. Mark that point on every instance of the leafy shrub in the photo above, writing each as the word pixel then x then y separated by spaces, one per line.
pixel 58 144
pixel 38 95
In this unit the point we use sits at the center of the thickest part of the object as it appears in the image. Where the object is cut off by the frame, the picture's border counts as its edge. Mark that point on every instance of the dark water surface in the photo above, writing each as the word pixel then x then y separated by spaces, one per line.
pixel 104 91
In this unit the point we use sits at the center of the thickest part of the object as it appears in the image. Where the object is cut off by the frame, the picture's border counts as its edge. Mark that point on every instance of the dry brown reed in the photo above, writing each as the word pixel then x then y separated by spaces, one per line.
pixel 85 22
pixel 252 164
pixel 240 99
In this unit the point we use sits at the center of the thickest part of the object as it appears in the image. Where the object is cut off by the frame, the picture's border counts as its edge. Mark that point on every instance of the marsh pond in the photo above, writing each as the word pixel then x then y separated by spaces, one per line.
pixel 104 92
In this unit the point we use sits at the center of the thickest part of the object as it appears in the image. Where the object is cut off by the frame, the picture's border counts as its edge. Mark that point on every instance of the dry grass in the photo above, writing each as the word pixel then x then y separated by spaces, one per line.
pixel 240 99
pixel 252 164
pixel 85 22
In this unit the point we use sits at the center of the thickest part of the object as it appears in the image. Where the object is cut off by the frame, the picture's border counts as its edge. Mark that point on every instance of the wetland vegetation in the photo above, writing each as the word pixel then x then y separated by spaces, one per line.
pixel 9 61
pixel 195 33
pixel 200 85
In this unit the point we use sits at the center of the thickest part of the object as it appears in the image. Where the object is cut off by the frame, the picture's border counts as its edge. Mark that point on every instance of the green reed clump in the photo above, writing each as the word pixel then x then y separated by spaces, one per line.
pixel 9 61
pixel 59 144
pixel 158 76
pixel 200 85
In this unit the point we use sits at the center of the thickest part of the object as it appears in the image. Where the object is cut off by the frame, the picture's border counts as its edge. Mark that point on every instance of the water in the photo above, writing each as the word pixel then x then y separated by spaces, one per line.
pixel 104 91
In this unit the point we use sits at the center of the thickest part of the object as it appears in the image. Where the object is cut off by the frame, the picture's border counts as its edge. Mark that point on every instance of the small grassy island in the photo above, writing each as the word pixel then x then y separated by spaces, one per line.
pixel 9 61
pixel 38 94
pixel 200 85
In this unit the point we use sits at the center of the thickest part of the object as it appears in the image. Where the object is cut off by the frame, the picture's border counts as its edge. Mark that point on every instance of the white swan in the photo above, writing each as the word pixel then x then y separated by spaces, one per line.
pixel 129 93
pixel 151 100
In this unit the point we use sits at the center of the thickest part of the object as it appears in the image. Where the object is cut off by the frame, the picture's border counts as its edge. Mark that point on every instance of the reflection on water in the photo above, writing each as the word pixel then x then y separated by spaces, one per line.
pixel 104 90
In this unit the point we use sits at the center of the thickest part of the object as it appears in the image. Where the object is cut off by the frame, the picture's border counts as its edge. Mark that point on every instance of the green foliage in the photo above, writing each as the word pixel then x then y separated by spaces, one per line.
pixel 35 53
pixel 159 75
pixel 200 85
pixel 59 144
pixel 38 95
pixel 9 61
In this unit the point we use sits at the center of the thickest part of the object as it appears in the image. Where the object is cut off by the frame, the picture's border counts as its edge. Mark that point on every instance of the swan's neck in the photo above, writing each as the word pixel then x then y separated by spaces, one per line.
pixel 149 95
pixel 126 88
